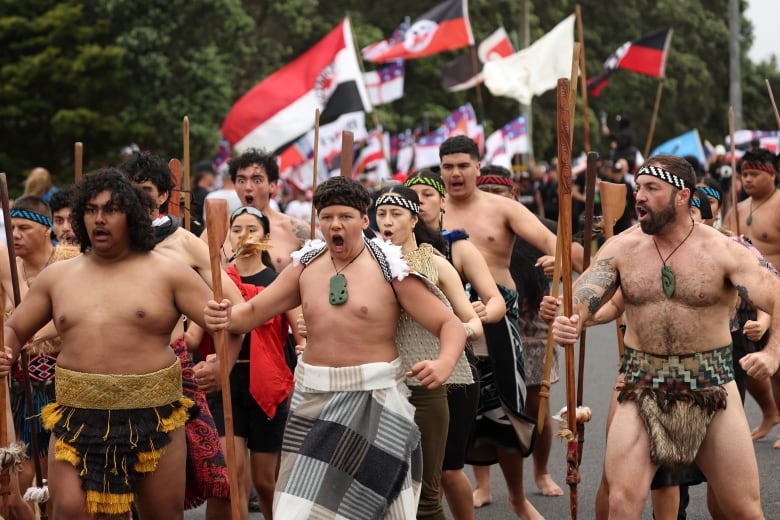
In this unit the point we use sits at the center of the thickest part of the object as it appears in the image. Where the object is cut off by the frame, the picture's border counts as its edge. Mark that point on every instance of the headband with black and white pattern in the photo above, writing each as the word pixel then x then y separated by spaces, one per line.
pixel 664 175
pixel 395 200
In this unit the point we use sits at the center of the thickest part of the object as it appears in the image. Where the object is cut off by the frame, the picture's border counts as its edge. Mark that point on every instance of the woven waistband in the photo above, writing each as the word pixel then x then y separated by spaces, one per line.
pixel 118 391
pixel 684 372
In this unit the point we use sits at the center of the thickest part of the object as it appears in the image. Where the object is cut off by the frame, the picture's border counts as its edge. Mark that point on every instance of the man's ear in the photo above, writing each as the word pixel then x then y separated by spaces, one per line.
pixel 365 221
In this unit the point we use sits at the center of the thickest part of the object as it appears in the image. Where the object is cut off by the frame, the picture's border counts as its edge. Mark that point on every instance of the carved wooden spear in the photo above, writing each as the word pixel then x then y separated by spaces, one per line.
pixel 174 203
pixel 564 231
pixel 347 147
pixel 186 188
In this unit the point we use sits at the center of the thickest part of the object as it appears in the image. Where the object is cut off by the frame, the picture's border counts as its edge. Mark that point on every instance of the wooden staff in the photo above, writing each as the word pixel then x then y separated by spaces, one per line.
pixel 590 197
pixel 216 227
pixel 78 163
pixel 734 191
pixel 43 494
pixel 5 476
pixel 312 232
pixel 347 148
pixel 564 232
pixel 544 387
pixel 613 205
pixel 174 204
pixel 772 100
pixel 186 163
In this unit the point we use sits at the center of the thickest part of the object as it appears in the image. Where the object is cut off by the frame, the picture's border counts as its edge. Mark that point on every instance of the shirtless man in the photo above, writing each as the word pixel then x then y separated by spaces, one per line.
pixel 151 174
pixel 689 273
pixel 492 223
pixel 349 382
pixel 117 379
pixel 60 211
pixel 255 174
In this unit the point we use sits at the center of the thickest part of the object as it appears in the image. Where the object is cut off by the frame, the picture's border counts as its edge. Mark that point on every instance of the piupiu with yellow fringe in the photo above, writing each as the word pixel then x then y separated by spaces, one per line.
pixel 113 429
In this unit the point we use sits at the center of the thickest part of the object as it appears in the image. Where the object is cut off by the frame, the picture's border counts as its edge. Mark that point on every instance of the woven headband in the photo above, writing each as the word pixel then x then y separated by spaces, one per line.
pixel 711 192
pixel 664 175
pixel 494 179
pixel 428 181
pixel 31 215
pixel 702 203
pixel 755 165
pixel 395 200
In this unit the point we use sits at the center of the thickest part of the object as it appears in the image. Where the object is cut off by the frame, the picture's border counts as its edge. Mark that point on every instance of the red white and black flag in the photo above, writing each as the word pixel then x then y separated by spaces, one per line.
pixel 462 73
pixel 647 56
pixel 280 109
pixel 443 28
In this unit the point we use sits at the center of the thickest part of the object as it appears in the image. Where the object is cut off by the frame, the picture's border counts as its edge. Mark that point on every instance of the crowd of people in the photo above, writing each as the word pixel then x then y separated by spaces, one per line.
pixel 371 364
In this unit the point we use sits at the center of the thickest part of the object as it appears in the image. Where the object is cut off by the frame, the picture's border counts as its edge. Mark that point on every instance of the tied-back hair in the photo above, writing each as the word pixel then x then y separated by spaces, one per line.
pixel 142 167
pixel 38 182
pixel 422 233
pixel 132 201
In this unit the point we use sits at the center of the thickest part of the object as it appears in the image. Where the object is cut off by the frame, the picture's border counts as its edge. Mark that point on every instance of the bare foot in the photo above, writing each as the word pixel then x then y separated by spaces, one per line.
pixel 547 485
pixel 482 497
pixel 765 427
pixel 526 511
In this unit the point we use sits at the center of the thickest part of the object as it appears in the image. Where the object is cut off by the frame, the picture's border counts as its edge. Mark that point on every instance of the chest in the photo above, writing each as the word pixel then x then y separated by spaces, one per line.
pixel 487 231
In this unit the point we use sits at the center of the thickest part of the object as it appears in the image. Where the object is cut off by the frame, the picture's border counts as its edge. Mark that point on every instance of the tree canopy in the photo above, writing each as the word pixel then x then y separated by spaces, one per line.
pixel 115 72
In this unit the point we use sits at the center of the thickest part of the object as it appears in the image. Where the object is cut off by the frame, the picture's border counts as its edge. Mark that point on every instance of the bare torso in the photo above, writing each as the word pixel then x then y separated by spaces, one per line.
pixel 360 331
pixel 696 318
pixel 764 230
pixel 287 235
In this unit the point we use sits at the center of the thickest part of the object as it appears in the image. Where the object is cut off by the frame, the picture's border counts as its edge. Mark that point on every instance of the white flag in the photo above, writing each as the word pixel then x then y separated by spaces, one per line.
pixel 534 70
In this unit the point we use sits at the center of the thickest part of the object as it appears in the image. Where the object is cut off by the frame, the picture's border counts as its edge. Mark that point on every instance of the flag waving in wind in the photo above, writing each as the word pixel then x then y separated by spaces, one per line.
pixel 443 28
pixel 462 73
pixel 647 56
pixel 280 109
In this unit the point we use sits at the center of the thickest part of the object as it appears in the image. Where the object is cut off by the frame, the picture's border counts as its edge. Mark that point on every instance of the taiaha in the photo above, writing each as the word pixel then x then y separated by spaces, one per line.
pixel 41 493
pixel 216 226
pixel 174 203
pixel 78 162
pixel 590 197
pixel 613 205
pixel 565 234
pixel 347 149
pixel 314 170
pixel 772 100
pixel 734 191
pixel 186 179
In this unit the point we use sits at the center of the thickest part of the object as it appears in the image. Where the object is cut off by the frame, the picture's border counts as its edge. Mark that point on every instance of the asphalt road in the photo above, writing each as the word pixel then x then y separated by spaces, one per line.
pixel 601 368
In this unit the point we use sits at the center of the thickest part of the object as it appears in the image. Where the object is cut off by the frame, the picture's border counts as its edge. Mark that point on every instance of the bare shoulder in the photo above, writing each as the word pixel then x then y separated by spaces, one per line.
pixel 299 228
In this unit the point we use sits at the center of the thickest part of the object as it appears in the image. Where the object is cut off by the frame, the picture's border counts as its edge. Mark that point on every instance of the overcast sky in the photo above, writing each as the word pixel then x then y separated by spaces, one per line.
pixel 765 16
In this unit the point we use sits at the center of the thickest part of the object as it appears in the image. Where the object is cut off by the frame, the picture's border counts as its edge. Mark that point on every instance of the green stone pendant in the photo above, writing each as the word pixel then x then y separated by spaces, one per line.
pixel 749 219
pixel 667 281
pixel 338 289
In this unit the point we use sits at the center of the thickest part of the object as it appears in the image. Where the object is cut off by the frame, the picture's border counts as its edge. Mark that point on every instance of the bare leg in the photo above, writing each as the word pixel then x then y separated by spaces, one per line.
pixel 666 502
pixel 244 478
pixel 512 467
pixel 541 454
pixel 160 494
pixel 482 494
pixel 602 494
pixel 762 393
pixel 457 490
pixel 67 497
pixel 264 470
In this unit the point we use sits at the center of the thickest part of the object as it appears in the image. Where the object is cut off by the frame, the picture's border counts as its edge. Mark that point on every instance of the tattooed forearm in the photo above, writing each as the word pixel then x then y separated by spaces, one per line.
pixel 596 285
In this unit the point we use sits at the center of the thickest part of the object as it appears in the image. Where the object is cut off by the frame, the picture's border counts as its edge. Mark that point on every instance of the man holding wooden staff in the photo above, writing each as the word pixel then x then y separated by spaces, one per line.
pixel 679 402
pixel 117 435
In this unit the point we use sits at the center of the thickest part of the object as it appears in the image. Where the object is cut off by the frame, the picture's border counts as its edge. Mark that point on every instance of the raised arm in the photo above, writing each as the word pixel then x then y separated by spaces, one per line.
pixel 470 262
pixel 449 282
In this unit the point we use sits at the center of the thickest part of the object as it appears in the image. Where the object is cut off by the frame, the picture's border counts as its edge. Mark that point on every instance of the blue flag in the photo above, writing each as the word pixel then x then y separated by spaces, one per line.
pixel 688 143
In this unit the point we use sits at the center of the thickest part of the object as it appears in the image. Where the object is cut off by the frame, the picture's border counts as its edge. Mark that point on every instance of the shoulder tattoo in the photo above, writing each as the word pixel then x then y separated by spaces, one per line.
pixel 596 285
pixel 301 230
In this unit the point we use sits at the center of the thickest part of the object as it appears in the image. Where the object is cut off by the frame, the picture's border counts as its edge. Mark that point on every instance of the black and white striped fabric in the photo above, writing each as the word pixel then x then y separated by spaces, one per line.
pixel 664 175
pixel 395 200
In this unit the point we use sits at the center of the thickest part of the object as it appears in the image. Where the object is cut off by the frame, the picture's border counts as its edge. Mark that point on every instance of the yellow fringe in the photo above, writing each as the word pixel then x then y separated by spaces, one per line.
pixel 66 452
pixel 147 461
pixel 108 503
pixel 50 415
pixel 178 417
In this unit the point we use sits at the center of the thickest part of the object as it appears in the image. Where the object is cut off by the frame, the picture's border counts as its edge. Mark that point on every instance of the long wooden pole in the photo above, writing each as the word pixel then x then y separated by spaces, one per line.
pixel 347 147
pixel 565 232
pixel 544 387
pixel 613 205
pixel 23 355
pixel 78 162
pixel 216 225
pixel 186 188
pixel 734 191
pixel 774 105
pixel 583 82
pixel 174 204
pixel 653 119
pixel 315 167
pixel 575 64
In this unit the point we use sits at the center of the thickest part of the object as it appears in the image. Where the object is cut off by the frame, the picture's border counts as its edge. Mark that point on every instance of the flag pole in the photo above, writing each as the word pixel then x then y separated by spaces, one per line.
pixel 315 167
pixel 774 105
pixel 583 81
pixel 575 62
pixel 650 133
pixel 734 192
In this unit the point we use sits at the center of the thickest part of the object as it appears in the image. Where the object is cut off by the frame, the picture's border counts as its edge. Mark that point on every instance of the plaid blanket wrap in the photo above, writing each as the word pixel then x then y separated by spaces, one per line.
pixel 351 449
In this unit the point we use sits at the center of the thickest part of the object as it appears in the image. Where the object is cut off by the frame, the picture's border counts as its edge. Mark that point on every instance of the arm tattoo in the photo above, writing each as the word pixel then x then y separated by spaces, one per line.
pixel 596 286
pixel 301 230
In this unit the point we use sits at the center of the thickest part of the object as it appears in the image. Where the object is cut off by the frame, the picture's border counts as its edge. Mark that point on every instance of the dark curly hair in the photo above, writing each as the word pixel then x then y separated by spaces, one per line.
pixel 124 197
pixel 459 144
pixel 759 155
pixel 62 198
pixel 265 160
pixel 341 191
pixel 142 167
